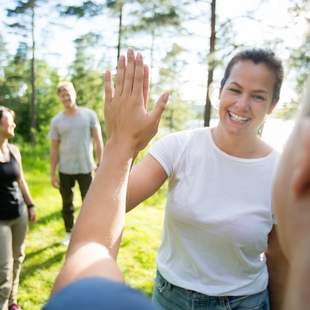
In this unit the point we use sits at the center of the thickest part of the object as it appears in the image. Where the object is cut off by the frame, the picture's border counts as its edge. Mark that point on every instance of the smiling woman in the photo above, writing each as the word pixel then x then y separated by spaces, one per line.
pixel 14 194
pixel 249 90
pixel 218 217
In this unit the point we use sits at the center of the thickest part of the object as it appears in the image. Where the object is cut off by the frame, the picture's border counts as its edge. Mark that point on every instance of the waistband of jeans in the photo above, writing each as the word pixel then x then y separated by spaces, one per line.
pixel 192 292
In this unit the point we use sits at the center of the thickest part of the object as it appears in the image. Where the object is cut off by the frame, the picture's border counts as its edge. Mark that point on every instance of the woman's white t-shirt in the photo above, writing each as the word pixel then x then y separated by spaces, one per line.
pixel 217 218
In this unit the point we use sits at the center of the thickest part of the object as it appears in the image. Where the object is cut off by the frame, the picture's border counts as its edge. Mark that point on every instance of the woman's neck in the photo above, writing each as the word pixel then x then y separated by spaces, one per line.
pixel 245 146
pixel 4 151
pixel 3 144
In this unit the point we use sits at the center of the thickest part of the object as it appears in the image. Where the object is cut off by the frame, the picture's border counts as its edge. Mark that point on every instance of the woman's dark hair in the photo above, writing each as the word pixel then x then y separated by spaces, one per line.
pixel 258 56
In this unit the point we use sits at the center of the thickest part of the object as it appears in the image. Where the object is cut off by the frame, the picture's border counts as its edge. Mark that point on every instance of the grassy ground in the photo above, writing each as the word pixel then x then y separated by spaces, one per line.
pixel 45 254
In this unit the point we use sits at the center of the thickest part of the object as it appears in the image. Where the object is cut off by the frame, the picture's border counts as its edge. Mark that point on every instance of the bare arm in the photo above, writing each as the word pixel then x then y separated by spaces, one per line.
pixel 97 233
pixel 92 251
pixel 145 179
pixel 277 269
pixel 54 155
pixel 24 186
pixel 97 139
pixel 291 201
pixel 297 293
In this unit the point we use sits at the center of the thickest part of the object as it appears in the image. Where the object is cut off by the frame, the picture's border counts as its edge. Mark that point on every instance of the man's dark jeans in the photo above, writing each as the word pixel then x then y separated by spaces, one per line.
pixel 67 182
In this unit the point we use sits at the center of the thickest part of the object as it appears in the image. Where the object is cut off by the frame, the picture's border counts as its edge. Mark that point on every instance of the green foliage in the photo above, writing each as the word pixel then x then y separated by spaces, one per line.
pixel 287 111
pixel 14 89
pixel 15 92
pixel 87 79
pixel 22 17
pixel 3 54
pixel 154 15
pixel 87 9
pixel 115 5
pixel 300 60
pixel 300 56
pixel 177 112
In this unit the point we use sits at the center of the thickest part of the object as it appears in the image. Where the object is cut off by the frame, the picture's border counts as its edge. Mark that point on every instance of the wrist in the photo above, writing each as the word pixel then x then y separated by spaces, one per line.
pixel 123 149
pixel 30 206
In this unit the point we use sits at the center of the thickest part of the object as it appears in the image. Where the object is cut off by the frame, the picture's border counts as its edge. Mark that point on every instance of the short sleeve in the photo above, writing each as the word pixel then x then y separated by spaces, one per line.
pixel 94 122
pixel 168 150
pixel 53 132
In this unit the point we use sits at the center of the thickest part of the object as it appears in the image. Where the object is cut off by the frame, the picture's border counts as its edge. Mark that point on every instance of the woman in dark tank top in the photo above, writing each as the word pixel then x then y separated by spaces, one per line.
pixel 16 207
pixel 11 200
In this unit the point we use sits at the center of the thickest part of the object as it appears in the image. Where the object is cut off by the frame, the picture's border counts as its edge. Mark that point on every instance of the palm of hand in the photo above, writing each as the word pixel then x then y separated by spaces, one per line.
pixel 125 110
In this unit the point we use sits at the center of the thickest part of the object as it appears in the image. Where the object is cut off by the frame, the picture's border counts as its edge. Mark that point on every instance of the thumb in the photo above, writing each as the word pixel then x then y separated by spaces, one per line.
pixel 160 106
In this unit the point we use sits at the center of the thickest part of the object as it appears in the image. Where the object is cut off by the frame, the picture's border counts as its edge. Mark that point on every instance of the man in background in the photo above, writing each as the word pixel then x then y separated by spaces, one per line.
pixel 73 133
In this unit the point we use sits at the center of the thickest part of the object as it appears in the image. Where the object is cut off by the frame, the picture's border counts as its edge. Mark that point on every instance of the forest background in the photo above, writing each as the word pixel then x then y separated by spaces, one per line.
pixel 186 44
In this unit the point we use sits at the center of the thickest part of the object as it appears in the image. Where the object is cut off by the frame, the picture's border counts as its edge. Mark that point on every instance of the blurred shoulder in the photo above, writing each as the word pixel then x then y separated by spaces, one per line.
pixel 57 118
pixel 87 110
pixel 14 150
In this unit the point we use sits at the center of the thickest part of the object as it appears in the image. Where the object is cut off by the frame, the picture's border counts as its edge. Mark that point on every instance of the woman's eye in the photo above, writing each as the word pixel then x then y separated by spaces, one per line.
pixel 259 98
pixel 234 90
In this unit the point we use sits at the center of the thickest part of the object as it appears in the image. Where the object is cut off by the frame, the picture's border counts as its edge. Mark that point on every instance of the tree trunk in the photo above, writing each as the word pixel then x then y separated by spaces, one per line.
pixel 211 64
pixel 120 29
pixel 33 82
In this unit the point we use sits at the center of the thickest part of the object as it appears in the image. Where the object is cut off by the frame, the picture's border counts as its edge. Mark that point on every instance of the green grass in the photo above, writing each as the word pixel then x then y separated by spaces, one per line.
pixel 45 254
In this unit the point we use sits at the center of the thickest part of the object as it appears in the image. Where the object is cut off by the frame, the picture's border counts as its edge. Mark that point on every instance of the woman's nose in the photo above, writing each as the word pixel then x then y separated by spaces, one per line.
pixel 243 101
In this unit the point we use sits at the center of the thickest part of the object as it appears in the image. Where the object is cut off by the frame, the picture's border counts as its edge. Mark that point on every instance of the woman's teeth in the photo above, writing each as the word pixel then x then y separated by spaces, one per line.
pixel 238 118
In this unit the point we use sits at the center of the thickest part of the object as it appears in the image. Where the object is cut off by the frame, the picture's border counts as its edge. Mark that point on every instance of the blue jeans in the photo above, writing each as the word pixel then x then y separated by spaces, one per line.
pixel 167 296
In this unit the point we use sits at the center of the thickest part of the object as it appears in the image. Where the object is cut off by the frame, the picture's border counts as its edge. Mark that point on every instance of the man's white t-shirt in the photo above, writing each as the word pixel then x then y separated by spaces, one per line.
pixel 217 218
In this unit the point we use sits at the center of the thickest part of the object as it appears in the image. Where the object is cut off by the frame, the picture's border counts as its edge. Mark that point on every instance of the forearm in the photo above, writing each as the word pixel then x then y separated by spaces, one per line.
pixel 298 290
pixel 25 191
pixel 145 179
pixel 98 144
pixel 277 268
pixel 53 161
pixel 104 206
pixel 277 284
pixel 98 152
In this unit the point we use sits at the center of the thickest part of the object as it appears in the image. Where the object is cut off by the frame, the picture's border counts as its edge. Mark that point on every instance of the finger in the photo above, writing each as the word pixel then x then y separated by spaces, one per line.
pixel 120 74
pixel 108 87
pixel 130 72
pixel 137 89
pixel 145 85
pixel 159 107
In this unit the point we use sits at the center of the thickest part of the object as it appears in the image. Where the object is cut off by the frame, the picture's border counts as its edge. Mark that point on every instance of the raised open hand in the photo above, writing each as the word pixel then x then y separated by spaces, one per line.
pixel 128 121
